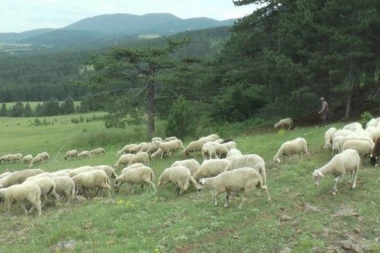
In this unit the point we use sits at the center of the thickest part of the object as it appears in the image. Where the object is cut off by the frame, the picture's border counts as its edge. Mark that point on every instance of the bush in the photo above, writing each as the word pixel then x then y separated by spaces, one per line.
pixel 365 117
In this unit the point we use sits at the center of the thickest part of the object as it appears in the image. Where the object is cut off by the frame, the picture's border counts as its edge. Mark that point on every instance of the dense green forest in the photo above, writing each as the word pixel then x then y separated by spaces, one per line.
pixel 273 63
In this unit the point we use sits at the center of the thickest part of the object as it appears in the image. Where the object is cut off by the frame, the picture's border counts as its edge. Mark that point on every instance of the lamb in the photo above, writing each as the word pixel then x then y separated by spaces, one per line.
pixel 239 180
pixel 346 162
pixel 84 154
pixel 125 149
pixel 123 160
pixel 97 152
pixel 18 177
pixel 136 175
pixel 28 192
pixel 287 122
pixel 169 147
pixel 375 152
pixel 288 148
pixel 71 154
pixel 252 161
pixel 328 137
pixel 178 175
pixel 41 157
pixel 363 147
pixel 210 168
pixel 192 164
pixel 47 186
pixel 94 179
pixel 27 159
pixel 140 157
pixel 65 188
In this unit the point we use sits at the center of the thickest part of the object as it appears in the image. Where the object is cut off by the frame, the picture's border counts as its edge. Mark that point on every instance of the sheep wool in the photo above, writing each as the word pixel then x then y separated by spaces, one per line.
pixel 287 122
pixel 210 168
pixel 293 147
pixel 136 175
pixel 192 164
pixel 178 175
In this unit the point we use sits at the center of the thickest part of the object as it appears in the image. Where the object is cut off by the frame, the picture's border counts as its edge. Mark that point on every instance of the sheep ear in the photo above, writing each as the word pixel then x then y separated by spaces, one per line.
pixel 319 173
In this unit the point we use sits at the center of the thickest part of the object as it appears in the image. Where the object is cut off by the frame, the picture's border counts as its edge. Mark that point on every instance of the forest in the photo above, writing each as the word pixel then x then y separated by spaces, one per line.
pixel 276 62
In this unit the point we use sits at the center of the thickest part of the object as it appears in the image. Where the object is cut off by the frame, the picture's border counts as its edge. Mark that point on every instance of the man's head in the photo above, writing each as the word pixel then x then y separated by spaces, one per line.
pixel 322 99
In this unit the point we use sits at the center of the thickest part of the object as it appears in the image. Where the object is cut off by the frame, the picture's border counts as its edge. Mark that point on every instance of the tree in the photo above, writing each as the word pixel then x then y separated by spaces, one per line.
pixel 3 110
pixel 51 107
pixel 17 109
pixel 28 110
pixel 67 106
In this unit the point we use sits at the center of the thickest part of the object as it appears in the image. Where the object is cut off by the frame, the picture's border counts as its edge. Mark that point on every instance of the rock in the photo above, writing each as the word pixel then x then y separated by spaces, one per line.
pixel 68 246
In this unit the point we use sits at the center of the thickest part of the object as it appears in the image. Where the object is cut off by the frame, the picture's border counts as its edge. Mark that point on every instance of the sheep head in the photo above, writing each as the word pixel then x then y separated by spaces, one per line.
pixel 316 176
pixel 276 160
pixel 373 159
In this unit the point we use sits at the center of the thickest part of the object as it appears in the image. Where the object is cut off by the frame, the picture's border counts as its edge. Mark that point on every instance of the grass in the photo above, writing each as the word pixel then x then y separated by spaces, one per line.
pixel 165 222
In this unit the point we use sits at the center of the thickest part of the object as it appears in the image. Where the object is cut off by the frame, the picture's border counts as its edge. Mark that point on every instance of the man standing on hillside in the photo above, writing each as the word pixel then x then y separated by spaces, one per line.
pixel 324 110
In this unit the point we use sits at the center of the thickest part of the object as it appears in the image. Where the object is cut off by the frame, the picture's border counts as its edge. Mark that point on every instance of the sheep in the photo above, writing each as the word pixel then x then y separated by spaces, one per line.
pixel 76 171
pixel 252 161
pixel 158 152
pixel 123 160
pixel 375 152
pixel 5 174
pixel 107 169
pixel 152 149
pixel 229 145
pixel 287 122
pixel 18 177
pixel 346 162
pixel 233 152
pixel 169 147
pixel 140 157
pixel 125 149
pixel 374 132
pixel 192 164
pixel 193 147
pixel 17 157
pixel 239 180
pixel 288 148
pixel 71 154
pixel 178 175
pixel 156 139
pixel 136 175
pixel 328 137
pixel 97 152
pixel 65 188
pixel 84 154
pixel 219 149
pixel 47 186
pixel 94 179
pixel 135 149
pixel 41 157
pixel 208 151
pixel 170 138
pixel 363 147
pixel 27 159
pixel 6 158
pixel 21 193
pixel 135 165
pixel 210 168
pixel 353 126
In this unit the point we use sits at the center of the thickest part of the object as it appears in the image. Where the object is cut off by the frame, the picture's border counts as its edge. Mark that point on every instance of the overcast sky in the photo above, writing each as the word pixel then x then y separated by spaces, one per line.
pixel 24 15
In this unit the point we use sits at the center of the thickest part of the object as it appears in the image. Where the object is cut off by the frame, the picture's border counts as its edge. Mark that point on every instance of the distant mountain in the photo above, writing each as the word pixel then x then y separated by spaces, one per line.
pixel 108 29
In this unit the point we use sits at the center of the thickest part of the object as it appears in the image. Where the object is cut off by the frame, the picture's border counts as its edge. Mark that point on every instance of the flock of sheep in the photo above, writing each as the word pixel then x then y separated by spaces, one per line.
pixel 224 168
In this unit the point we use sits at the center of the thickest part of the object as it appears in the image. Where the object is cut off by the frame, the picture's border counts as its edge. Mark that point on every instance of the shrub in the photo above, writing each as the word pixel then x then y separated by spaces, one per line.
pixel 365 117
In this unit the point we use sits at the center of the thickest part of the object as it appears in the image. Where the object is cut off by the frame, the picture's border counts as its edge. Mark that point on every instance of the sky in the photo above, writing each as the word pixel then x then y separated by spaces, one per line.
pixel 25 15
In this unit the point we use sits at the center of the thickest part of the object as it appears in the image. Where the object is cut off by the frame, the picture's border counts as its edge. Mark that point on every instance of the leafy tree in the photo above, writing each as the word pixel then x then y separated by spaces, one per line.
pixel 17 109
pixel 3 110
pixel 67 106
pixel 51 107
pixel 28 110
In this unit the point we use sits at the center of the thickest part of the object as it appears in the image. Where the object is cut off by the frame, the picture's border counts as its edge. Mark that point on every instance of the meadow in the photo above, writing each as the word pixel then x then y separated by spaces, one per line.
pixel 300 218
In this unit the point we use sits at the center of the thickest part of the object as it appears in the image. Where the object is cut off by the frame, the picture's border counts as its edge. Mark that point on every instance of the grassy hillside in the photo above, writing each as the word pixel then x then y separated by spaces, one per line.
pixel 300 217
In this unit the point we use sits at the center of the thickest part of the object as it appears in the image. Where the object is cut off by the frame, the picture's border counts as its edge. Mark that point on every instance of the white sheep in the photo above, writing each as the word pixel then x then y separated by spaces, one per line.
pixel 210 168
pixel 208 151
pixel 168 148
pixel 288 148
pixel 375 152
pixel 18 177
pixel 125 149
pixel 192 164
pixel 136 175
pixel 374 132
pixel 193 147
pixel 140 157
pixel 252 161
pixel 47 186
pixel 71 154
pixel 107 169
pixel 137 148
pixel 27 159
pixel 94 179
pixel 179 176
pixel 5 174
pixel 287 122
pixel 97 151
pixel 84 154
pixel 76 171
pixel 363 147
pixel 233 152
pixel 22 193
pixel 6 158
pixel 211 137
pixel 328 137
pixel 152 148
pixel 353 126
pixel 239 180
pixel 229 145
pixel 158 152
pixel 65 188
pixel 346 162
pixel 41 157
pixel 135 165
pixel 123 160
pixel 220 149
pixel 170 138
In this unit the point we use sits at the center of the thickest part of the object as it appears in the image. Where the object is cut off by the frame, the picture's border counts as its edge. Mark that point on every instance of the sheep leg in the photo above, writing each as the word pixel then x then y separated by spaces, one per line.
pixel 23 207
pixel 355 174
pixel 243 200
pixel 216 194
pixel 335 190
pixel 153 186
pixel 227 200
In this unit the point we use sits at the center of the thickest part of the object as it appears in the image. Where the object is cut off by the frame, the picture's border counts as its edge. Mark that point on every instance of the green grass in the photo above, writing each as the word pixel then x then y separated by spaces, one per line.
pixel 165 222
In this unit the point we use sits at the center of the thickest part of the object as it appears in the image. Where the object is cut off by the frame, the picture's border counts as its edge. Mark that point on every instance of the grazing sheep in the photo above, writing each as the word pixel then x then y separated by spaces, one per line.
pixel 170 138
pixel 235 181
pixel 140 157
pixel 27 159
pixel 156 139
pixel 41 157
pixel 193 147
pixel 76 171
pixel 168 148
pixel 152 148
pixel 18 177
pixel 123 160
pixel 287 122
pixel 84 154
pixel 21 193
pixel 363 147
pixel 353 126
pixel 288 148
pixel 374 132
pixel 192 164
pixel 328 137
pixel 107 169
pixel 229 145
pixel 210 168
pixel 346 162
pixel 94 179
pixel 233 152
pixel 5 174
pixel 97 151
pixel 208 151
pixel 220 149
pixel 47 186
pixel 375 152
pixel 135 165
pixel 158 152
pixel 252 161
pixel 125 149
pixel 137 148
pixel 65 188
pixel 136 175
pixel 71 154
pixel 178 175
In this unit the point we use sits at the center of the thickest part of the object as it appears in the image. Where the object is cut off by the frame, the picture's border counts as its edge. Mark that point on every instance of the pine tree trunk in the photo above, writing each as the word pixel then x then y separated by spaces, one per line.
pixel 150 107
pixel 348 106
